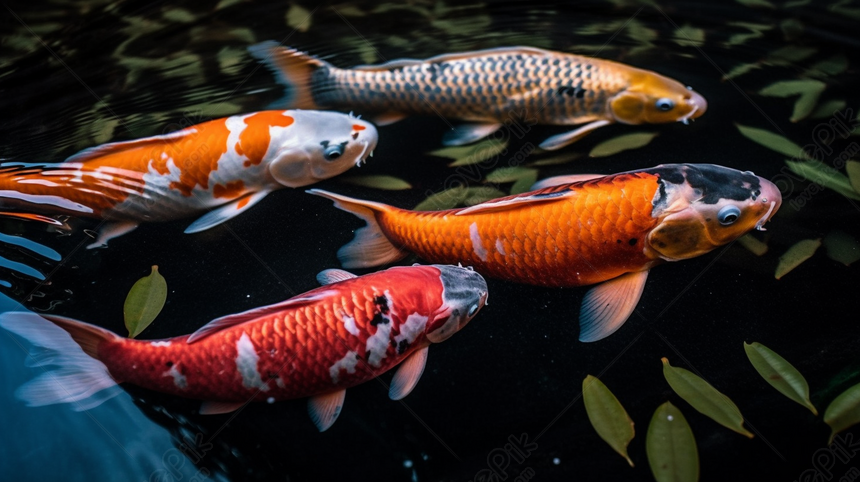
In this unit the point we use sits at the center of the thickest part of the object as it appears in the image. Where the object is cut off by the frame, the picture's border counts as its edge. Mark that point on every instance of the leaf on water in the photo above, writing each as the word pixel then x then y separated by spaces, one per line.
pixel 348 10
pixel 179 15
pixel 556 160
pixel 509 174
pixel 792 28
pixel 756 3
pixel 808 90
pixel 299 18
pixel 144 302
pixel 779 373
pixel 705 398
pixel 796 3
pixel 607 416
pixel 824 175
pixel 842 247
pixel 472 154
pixel 772 141
pixel 828 109
pixel 389 183
pixel 741 38
pixel 478 195
pixel 843 411
pixel 753 244
pixel 796 255
pixel 458 196
pixel 741 69
pixel 853 170
pixel 832 66
pixel 789 55
pixel 671 447
pixel 689 36
pixel 622 143
pixel 524 184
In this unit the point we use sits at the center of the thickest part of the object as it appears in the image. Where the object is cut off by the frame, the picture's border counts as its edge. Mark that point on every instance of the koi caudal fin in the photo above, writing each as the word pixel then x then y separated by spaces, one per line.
pixel 370 247
pixel 72 346
pixel 293 69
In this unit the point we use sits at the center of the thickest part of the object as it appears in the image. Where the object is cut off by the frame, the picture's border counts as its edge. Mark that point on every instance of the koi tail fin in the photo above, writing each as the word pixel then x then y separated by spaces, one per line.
pixel 31 217
pixel 80 378
pixel 370 247
pixel 293 69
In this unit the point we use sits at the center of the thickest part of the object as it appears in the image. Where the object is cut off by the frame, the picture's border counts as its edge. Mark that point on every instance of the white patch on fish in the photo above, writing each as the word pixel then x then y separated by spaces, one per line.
pixel 347 363
pixel 378 344
pixel 500 248
pixel 246 364
pixel 160 343
pixel 349 324
pixel 477 244
pixel 409 330
pixel 178 378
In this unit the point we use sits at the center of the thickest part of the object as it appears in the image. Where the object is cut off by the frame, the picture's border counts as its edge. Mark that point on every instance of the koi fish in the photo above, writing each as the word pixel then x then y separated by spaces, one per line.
pixel 487 87
pixel 315 345
pixel 229 164
pixel 609 229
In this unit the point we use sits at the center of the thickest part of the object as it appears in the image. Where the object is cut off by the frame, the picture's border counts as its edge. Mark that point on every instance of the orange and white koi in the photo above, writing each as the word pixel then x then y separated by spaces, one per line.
pixel 315 345
pixel 229 164
pixel 487 87
pixel 608 229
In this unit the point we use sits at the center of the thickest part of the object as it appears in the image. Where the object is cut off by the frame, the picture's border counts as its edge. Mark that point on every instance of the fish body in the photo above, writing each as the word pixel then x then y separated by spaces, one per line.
pixel 229 163
pixel 490 88
pixel 608 229
pixel 314 345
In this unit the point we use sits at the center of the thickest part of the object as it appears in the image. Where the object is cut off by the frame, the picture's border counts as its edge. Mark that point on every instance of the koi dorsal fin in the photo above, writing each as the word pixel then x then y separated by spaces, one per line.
pixel 400 63
pixel 114 147
pixel 228 321
pixel 512 202
pixel 329 276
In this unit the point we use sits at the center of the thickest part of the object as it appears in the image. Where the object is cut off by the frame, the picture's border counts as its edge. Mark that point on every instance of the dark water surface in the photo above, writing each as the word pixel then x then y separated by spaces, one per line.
pixel 76 75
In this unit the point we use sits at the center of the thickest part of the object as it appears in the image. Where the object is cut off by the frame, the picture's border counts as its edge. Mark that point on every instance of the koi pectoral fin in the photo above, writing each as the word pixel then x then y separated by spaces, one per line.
pixel 408 374
pixel 225 212
pixel 561 140
pixel 468 133
pixel 388 118
pixel 608 305
pixel 216 408
pixel 324 409
pixel 112 230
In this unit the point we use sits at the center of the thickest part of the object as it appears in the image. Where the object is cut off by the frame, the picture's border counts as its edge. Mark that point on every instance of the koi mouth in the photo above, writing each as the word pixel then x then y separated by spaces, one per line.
pixel 689 117
pixel 759 226
pixel 362 158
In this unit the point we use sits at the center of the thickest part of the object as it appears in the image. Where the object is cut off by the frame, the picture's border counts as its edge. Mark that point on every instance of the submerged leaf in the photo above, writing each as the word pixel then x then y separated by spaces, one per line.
pixel 671 447
pixel 390 183
pixel 478 195
pixel 772 141
pixel 843 411
pixel 796 255
pixel 820 173
pixel 508 174
pixel 524 184
pixel 607 416
pixel 779 373
pixel 789 55
pixel 458 196
pixel 741 69
pixel 472 154
pixel 705 398
pixel 622 143
pixel 842 247
pixel 753 244
pixel 756 3
pixel 853 170
pixel 688 36
pixel 832 66
pixel 144 302
pixel 556 160
pixel 808 90
pixel 828 109
pixel 299 18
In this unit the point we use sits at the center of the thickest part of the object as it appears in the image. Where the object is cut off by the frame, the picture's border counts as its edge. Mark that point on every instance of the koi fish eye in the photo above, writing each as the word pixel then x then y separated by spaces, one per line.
pixel 664 104
pixel 728 215
pixel 333 152
pixel 473 309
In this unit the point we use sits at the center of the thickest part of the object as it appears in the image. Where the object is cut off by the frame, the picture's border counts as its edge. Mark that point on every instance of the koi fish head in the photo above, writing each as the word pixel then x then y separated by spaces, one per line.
pixel 320 145
pixel 703 206
pixel 653 99
pixel 464 294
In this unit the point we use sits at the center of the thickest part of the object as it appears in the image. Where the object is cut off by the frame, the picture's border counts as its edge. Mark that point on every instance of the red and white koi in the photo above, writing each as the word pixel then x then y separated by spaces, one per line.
pixel 229 164
pixel 315 345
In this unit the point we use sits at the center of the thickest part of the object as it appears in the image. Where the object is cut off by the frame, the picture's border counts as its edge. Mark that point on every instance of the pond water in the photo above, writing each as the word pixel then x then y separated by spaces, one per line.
pixel 76 75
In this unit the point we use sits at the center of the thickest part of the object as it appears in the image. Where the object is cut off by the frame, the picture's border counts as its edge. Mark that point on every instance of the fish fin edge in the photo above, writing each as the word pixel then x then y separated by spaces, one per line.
pixel 325 408
pixel 293 69
pixel 408 374
pixel 608 305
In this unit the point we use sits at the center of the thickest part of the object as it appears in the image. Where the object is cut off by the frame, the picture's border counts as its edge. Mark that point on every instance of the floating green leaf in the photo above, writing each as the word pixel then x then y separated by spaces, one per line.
pixel 389 183
pixel 828 109
pixel 843 411
pixel 808 91
pixel 792 28
pixel 705 398
pixel 458 196
pixel 671 447
pixel 779 373
pixel 796 255
pixel 853 170
pixel 741 69
pixel 299 18
pixel 832 66
pixel 508 174
pixel 820 173
pixel 478 195
pixel 524 184
pixel 556 160
pixel 752 243
pixel 756 3
pixel 772 141
pixel 607 416
pixel 789 55
pixel 472 154
pixel 622 143
pixel 688 36
pixel 842 247
pixel 144 302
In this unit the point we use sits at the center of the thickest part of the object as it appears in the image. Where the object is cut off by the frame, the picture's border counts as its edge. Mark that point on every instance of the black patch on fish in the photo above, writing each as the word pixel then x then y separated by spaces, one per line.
pixel 632 242
pixel 378 319
pixel 382 303
pixel 402 346
pixel 714 182
pixel 618 241
pixel 169 364
pixel 572 91
pixel 272 375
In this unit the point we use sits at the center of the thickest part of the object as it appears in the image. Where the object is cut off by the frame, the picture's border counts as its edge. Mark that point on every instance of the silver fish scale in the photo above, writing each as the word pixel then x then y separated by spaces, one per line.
pixel 550 88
